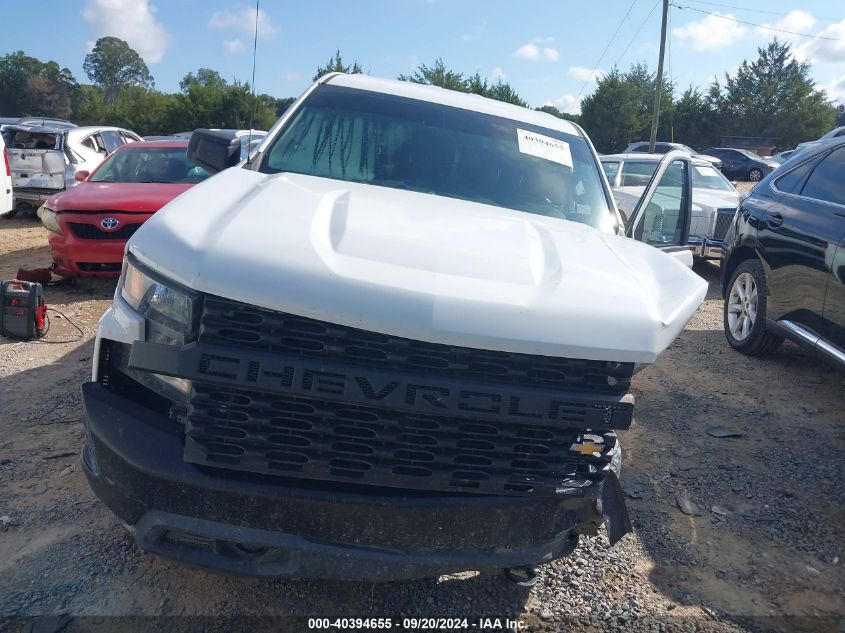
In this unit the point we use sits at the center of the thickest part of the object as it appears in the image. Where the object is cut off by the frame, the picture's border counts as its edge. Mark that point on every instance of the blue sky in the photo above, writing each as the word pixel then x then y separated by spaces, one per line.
pixel 545 48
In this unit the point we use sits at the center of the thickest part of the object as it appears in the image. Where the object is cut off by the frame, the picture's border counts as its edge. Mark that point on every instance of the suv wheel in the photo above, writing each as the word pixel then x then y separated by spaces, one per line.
pixel 755 175
pixel 745 311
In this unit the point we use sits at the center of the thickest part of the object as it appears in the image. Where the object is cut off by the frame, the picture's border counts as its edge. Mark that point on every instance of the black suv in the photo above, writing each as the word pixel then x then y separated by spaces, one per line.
pixel 783 266
pixel 742 164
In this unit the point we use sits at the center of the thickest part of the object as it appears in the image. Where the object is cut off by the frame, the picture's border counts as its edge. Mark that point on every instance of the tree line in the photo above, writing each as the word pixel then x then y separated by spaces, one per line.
pixel 772 96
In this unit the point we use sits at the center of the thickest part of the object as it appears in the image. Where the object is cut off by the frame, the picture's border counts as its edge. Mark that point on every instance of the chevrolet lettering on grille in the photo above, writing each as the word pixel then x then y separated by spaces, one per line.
pixel 407 391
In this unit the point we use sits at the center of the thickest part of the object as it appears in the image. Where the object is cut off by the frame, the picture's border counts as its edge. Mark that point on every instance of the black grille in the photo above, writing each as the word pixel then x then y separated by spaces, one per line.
pixel 230 323
pixel 246 427
pixel 315 439
pixel 724 217
pixel 93 232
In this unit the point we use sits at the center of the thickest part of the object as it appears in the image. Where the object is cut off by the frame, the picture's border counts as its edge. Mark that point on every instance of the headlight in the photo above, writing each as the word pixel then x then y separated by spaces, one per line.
pixel 171 311
pixel 49 219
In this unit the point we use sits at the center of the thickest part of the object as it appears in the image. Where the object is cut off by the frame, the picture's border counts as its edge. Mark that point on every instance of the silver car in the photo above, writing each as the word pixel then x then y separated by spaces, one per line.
pixel 714 198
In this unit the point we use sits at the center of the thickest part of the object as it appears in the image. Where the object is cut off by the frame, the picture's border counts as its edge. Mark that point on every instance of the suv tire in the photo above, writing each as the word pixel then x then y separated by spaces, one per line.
pixel 745 308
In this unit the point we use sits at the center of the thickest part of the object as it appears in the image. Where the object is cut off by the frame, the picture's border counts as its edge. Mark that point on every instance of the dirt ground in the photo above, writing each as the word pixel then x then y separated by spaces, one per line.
pixel 764 554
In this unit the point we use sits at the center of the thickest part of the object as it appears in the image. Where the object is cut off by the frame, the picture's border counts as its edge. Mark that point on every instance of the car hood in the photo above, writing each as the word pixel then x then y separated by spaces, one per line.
pixel 714 198
pixel 117 196
pixel 421 266
pixel 701 198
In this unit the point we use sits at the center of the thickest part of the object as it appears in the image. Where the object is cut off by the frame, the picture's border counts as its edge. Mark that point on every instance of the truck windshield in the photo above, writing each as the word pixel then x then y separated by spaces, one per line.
pixel 389 141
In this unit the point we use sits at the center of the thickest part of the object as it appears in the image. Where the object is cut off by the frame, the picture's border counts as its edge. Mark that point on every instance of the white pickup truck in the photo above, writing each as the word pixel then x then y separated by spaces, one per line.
pixel 396 342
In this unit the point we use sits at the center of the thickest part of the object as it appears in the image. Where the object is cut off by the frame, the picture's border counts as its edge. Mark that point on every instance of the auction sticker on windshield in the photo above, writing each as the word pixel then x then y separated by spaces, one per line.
pixel 544 147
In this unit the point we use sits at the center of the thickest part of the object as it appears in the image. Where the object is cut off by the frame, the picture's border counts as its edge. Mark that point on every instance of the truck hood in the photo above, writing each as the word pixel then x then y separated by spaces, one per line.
pixel 421 266
pixel 140 197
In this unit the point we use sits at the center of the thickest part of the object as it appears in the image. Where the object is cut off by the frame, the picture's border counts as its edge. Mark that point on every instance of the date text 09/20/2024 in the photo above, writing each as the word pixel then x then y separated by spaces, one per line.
pixel 410 624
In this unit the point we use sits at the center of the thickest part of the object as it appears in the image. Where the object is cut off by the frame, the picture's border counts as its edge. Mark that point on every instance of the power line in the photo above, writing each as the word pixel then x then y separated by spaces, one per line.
pixel 613 37
pixel 631 41
pixel 762 26
pixel 751 9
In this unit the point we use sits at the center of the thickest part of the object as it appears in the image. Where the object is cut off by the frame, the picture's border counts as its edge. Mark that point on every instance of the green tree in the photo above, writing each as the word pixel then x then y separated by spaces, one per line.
pixel 283 104
pixel 439 75
pixel 693 122
pixel 840 115
pixel 207 100
pixel 550 109
pixel 29 86
pixel 336 65
pixel 205 77
pixel 113 65
pixel 141 110
pixel 644 84
pixel 92 108
pixel 772 96
pixel 620 109
pixel 611 115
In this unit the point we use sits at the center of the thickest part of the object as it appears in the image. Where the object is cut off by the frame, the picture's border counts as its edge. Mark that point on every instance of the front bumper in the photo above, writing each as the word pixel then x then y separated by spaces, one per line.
pixel 99 254
pixel 706 248
pixel 257 525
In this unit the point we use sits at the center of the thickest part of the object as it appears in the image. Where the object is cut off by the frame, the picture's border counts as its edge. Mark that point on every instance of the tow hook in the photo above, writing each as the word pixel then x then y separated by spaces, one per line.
pixel 521 576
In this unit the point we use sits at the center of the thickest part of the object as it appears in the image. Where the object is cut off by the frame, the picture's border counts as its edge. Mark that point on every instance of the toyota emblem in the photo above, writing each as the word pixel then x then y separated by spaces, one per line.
pixel 109 224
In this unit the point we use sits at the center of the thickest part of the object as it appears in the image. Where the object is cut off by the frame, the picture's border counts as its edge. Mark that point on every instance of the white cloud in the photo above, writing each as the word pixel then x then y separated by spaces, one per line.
pixel 824 51
pixel 292 77
pixel 566 103
pixel 130 20
pixel 551 54
pixel 233 46
pixel 476 32
pixel 585 74
pixel 795 21
pixel 835 90
pixel 528 51
pixel 711 32
pixel 243 19
pixel 497 74
pixel 532 51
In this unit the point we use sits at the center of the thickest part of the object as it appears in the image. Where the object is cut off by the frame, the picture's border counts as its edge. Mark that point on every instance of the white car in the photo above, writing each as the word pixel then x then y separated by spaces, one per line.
pixel 37 164
pixel 7 200
pixel 88 146
pixel 662 147
pixel 714 198
pixel 396 343
pixel 45 160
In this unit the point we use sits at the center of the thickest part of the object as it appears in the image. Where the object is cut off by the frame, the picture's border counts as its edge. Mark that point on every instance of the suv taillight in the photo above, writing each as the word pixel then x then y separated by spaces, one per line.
pixel 6 160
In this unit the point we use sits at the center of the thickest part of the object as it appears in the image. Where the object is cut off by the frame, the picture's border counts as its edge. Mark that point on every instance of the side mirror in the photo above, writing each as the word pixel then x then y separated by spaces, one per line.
pixel 81 175
pixel 214 151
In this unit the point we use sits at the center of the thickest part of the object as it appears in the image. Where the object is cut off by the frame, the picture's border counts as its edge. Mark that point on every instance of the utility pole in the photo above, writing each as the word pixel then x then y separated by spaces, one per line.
pixel 659 82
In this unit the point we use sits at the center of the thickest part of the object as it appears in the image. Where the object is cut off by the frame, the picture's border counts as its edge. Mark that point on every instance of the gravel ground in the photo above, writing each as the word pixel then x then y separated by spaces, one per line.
pixel 761 551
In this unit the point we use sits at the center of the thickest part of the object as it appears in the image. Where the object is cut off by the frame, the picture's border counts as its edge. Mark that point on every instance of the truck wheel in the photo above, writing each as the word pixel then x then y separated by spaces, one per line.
pixel 745 311
pixel 9 214
pixel 755 175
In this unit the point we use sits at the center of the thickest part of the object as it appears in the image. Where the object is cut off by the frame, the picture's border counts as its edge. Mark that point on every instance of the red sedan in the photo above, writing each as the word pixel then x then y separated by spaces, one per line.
pixel 89 224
